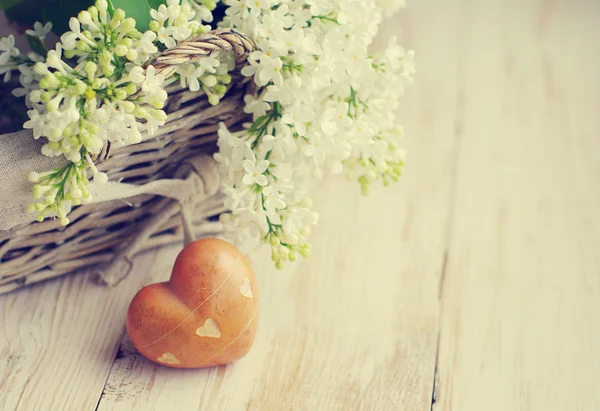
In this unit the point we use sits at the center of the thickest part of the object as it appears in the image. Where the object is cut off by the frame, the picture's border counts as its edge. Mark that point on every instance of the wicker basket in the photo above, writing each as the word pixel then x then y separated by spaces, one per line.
pixel 108 234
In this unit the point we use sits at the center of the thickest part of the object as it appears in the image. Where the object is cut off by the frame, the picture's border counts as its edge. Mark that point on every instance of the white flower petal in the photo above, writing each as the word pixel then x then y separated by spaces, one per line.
pixel 261 180
pixel 248 166
pixel 262 166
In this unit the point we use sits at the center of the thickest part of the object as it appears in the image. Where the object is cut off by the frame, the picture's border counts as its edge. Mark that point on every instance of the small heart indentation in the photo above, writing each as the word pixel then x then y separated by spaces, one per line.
pixel 168 358
pixel 246 288
pixel 209 329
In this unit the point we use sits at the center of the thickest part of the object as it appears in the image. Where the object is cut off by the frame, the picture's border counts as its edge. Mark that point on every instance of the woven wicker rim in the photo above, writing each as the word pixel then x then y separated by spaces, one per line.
pixel 203 45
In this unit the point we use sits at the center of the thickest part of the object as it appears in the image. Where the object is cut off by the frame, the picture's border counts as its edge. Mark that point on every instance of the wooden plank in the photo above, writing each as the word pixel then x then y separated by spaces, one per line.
pixel 522 290
pixel 356 325
pixel 59 339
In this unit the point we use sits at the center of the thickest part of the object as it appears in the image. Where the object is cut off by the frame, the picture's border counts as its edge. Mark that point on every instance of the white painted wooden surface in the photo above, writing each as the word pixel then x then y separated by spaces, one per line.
pixel 479 271
pixel 520 326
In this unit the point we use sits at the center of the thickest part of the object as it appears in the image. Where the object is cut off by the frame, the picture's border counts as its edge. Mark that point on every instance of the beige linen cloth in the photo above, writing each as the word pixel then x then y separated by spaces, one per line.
pixel 20 154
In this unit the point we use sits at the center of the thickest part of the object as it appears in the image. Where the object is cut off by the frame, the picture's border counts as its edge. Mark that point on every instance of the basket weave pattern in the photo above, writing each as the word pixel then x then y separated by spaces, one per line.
pixel 34 252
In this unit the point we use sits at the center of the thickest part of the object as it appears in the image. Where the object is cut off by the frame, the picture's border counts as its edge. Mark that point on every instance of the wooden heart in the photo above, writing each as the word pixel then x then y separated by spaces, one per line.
pixel 205 315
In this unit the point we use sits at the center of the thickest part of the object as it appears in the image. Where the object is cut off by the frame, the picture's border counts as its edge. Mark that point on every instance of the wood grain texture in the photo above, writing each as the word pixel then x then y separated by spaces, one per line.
pixel 482 264
pixel 521 296
pixel 59 340
pixel 356 326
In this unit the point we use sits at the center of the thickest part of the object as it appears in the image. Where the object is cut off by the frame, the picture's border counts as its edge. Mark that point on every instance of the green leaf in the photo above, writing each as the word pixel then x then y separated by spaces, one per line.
pixel 139 10
pixel 7 4
pixel 36 45
pixel 110 7
pixel 156 3
pixel 59 12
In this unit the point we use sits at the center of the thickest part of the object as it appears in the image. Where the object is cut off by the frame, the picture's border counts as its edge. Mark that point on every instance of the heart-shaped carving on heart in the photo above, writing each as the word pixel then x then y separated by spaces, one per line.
pixel 205 315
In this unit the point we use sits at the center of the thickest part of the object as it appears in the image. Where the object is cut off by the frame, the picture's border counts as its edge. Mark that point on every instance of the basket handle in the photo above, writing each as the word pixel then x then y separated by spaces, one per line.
pixel 203 45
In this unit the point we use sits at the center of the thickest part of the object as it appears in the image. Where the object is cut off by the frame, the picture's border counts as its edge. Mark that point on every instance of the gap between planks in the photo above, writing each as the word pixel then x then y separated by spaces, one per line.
pixel 458 131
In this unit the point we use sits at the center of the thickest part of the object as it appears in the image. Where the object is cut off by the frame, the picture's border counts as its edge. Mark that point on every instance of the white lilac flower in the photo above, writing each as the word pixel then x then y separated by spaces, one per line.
pixel 198 75
pixel 203 9
pixel 269 71
pixel 152 84
pixel 7 49
pixel 280 147
pixel 7 72
pixel 235 196
pixel 146 48
pixel 257 7
pixel 322 100
pixel 298 116
pixel 175 22
pixel 40 30
pixel 255 106
pixel 255 172
pixel 320 7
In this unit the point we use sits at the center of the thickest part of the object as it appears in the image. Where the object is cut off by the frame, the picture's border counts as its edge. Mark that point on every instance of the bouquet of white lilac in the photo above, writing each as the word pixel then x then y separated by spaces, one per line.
pixel 320 99
pixel 95 89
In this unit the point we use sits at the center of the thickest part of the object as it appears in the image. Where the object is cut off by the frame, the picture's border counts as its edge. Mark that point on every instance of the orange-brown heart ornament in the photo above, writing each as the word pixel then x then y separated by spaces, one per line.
pixel 205 315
